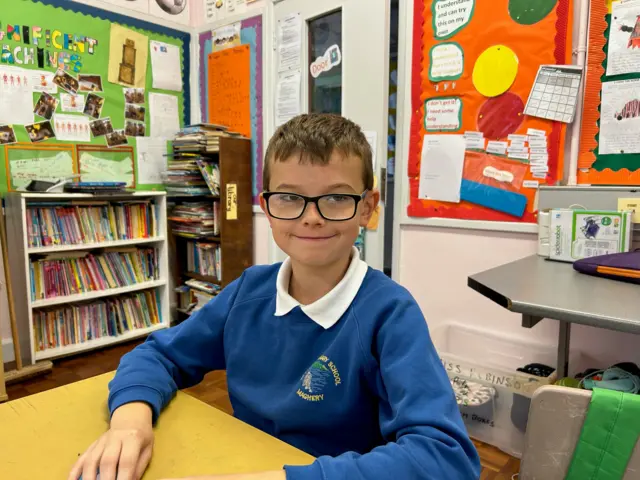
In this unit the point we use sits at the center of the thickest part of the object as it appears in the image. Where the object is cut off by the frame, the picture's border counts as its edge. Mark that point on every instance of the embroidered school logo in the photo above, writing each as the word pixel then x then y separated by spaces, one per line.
pixel 316 378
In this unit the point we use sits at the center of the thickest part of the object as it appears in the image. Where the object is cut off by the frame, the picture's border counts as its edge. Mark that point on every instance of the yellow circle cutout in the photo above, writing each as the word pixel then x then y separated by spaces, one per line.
pixel 495 71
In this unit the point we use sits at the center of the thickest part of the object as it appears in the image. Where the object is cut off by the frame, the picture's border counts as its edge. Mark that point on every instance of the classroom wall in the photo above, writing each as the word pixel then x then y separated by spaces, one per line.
pixel 261 234
pixel 434 263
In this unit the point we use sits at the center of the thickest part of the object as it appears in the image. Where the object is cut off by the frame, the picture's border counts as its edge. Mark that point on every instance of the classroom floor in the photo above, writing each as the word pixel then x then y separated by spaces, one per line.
pixel 212 390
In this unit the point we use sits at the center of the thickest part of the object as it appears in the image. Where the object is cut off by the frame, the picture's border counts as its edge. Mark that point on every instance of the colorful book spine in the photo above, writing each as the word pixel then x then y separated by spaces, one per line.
pixel 204 259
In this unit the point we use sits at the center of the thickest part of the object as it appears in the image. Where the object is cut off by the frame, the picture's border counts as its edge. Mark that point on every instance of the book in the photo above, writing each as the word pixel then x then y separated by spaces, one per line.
pixel 204 259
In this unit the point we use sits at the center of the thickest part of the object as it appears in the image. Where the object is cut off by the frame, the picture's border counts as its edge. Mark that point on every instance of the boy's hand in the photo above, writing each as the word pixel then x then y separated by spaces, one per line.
pixel 275 475
pixel 125 448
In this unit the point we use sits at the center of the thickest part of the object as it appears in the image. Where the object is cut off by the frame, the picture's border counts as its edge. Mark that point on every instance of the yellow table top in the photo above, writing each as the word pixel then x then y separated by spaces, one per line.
pixel 42 435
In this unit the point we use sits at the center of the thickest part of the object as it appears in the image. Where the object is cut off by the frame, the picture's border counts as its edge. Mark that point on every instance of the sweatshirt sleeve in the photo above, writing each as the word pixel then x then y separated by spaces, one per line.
pixel 174 358
pixel 418 414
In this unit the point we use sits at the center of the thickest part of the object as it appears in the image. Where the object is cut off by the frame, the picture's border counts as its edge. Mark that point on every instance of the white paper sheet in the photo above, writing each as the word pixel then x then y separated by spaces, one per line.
pixel 289 42
pixel 163 112
pixel 226 36
pixel 151 159
pixel 42 81
pixel 166 70
pixel 16 96
pixel 71 128
pixel 372 138
pixel 95 169
pixel 620 117
pixel 441 167
pixel 287 97
pixel 623 54
pixel 72 103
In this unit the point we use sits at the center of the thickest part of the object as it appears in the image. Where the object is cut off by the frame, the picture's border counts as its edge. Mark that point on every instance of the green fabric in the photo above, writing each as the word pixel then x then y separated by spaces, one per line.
pixel 608 437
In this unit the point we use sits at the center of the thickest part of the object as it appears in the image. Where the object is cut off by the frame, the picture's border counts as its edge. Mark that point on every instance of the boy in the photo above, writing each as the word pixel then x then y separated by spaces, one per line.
pixel 322 352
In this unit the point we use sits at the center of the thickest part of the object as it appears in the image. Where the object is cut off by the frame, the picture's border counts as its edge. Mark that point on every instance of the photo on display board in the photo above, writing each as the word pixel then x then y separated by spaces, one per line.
pixel 40 131
pixel 93 105
pixel 134 112
pixel 90 83
pixel 134 95
pixel 66 82
pixel 134 129
pixel 116 138
pixel 7 135
pixel 101 127
pixel 46 106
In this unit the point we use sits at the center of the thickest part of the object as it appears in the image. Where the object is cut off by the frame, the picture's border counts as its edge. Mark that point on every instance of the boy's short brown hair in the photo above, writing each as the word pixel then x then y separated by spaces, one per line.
pixel 315 136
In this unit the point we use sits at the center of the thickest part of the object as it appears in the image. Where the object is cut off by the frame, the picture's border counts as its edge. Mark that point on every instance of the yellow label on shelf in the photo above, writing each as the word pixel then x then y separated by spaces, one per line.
pixel 630 204
pixel 232 201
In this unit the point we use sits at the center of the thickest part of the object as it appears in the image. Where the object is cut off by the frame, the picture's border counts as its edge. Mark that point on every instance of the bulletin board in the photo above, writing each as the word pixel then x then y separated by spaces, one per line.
pixel 44 36
pixel 250 34
pixel 489 55
pixel 594 166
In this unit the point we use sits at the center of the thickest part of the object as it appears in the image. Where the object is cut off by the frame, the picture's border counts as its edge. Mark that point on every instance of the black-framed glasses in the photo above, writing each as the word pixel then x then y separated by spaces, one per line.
pixel 336 207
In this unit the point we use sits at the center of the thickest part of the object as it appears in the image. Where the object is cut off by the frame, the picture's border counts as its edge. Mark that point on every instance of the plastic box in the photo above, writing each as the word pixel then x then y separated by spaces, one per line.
pixel 485 364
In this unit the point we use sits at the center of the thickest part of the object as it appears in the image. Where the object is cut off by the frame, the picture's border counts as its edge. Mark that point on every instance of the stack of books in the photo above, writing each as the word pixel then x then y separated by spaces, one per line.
pixel 194 294
pixel 71 273
pixel 201 137
pixel 73 324
pixel 76 222
pixel 196 219
pixel 95 187
pixel 204 259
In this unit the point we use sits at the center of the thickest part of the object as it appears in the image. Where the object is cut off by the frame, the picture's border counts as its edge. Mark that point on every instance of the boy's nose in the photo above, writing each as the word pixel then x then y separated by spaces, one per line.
pixel 311 215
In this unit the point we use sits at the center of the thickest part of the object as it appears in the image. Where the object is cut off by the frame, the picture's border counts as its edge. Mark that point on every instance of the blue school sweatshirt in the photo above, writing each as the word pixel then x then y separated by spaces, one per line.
pixel 368 396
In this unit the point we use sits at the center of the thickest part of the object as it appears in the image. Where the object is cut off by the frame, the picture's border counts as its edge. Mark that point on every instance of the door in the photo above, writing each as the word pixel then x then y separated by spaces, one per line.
pixel 351 79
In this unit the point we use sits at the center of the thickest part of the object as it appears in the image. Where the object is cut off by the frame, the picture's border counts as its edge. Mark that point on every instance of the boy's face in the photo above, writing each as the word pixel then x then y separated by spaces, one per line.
pixel 311 240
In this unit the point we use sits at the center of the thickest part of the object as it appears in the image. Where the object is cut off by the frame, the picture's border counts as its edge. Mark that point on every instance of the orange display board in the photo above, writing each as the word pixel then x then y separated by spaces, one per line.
pixel 474 64
pixel 229 87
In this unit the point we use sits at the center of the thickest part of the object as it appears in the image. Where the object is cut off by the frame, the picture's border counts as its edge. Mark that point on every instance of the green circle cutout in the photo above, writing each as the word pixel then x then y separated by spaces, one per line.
pixel 606 221
pixel 528 12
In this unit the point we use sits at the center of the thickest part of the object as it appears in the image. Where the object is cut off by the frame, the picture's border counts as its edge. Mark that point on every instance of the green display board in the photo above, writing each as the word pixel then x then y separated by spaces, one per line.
pixel 49 35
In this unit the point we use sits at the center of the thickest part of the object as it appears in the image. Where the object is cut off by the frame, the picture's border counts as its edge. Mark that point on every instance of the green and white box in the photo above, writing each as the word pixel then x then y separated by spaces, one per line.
pixel 576 234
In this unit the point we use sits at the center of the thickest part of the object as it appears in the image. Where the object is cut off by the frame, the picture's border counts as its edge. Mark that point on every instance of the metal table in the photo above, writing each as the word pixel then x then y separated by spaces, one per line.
pixel 539 288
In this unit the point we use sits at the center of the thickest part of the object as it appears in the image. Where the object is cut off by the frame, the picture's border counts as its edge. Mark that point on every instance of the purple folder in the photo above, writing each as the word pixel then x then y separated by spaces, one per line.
pixel 617 266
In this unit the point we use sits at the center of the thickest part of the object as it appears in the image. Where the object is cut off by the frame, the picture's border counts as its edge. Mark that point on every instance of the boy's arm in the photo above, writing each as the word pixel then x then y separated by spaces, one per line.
pixel 418 413
pixel 175 358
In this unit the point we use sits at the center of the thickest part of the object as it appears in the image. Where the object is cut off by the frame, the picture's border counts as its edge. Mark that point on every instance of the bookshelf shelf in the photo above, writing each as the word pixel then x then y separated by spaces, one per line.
pixel 230 176
pixel 50 353
pixel 93 246
pixel 202 278
pixel 83 297
pixel 136 307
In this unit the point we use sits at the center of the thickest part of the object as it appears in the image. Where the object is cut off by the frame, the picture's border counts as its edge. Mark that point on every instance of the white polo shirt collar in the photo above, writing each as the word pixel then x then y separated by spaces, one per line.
pixel 327 310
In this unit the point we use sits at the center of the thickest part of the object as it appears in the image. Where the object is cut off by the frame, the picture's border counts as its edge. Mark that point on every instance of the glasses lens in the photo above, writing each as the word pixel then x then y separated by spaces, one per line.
pixel 337 207
pixel 286 205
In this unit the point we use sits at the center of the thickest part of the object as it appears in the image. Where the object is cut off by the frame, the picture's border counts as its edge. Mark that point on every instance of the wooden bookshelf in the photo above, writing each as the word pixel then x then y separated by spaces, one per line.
pixel 22 254
pixel 236 234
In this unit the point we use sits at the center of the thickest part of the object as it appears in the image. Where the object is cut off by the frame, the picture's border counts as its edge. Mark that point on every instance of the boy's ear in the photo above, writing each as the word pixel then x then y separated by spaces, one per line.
pixel 263 206
pixel 369 204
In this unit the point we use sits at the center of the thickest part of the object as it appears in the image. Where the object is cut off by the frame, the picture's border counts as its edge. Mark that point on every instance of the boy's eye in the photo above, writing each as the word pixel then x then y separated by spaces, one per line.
pixel 288 198
pixel 337 199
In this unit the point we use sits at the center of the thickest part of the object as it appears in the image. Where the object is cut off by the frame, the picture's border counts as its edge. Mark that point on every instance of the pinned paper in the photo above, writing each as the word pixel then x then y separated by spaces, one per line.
pixel 443 114
pixel 72 128
pixel 166 68
pixel 441 167
pixel 620 118
pixel 446 62
pixel 230 89
pixel 72 103
pixel 163 113
pixel 495 70
pixel 530 184
pixel 151 160
pixel 518 138
pixel 128 53
pixel 532 132
pixel 623 54
pixel 289 42
pixel 498 175
pixel 226 37
pixel 499 148
pixel 451 17
pixel 554 93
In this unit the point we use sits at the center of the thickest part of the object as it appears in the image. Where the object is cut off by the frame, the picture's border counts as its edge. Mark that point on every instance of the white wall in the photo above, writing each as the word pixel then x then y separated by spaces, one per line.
pixel 261 233
pixel 433 262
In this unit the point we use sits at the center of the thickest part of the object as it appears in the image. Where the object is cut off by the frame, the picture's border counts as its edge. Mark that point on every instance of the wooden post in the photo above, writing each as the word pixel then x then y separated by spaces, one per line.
pixel 7 278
